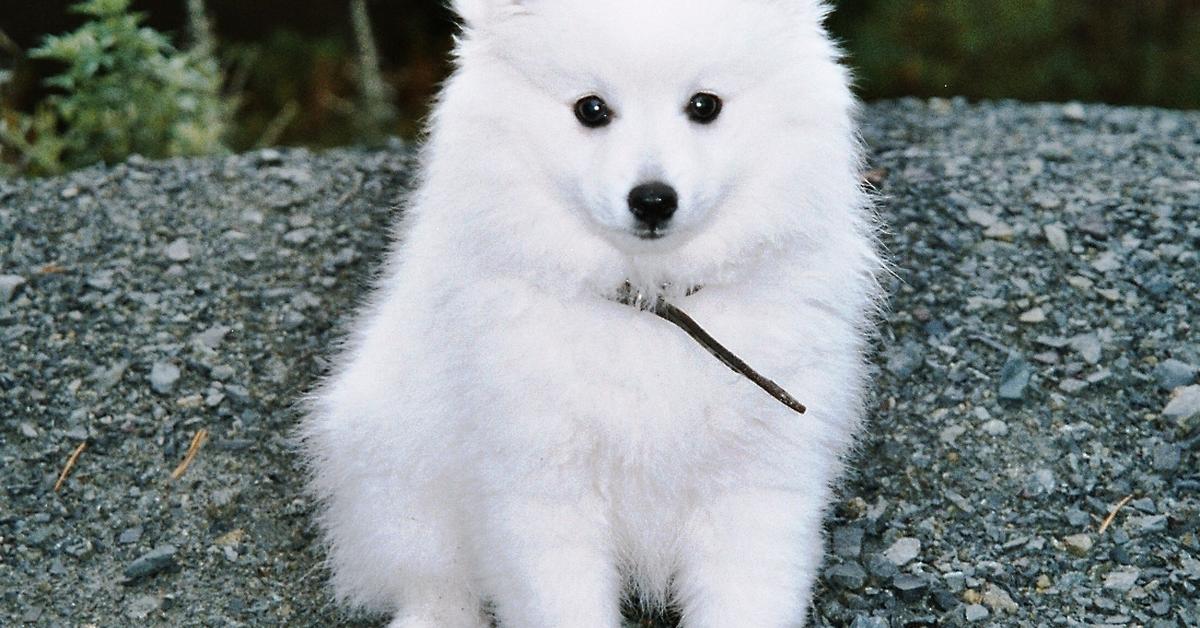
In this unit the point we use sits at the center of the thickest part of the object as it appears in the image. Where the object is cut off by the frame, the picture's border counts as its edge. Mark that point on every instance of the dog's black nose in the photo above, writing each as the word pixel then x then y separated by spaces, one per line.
pixel 653 203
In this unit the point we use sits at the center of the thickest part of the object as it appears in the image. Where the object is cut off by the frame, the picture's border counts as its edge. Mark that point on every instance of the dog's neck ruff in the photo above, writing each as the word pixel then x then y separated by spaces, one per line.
pixel 662 308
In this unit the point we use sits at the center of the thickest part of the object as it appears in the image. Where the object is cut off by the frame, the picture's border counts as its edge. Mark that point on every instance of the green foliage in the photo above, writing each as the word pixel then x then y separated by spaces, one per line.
pixel 124 89
pixel 1120 52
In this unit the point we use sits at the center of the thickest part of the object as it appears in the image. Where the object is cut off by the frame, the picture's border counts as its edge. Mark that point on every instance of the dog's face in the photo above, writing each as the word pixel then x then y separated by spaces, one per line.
pixel 669 130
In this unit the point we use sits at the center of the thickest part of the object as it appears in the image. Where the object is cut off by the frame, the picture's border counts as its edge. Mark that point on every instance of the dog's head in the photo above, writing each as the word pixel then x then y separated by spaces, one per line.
pixel 667 140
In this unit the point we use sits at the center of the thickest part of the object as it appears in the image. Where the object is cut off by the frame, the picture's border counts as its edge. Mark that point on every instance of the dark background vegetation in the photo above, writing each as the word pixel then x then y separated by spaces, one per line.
pixel 292 63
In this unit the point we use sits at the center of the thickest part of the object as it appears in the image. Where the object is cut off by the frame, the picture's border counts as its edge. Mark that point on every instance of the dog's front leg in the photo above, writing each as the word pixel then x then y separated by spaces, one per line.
pixel 750 559
pixel 549 564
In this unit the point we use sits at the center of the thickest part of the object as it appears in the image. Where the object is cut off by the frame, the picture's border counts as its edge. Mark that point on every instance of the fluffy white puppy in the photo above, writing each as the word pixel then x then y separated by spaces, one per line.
pixel 501 431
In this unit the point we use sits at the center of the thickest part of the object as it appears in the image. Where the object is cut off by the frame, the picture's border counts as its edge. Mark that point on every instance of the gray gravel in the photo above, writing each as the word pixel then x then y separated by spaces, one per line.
pixel 1038 365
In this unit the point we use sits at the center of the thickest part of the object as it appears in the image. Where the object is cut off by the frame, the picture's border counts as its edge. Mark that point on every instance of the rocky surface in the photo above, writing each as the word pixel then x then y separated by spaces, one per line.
pixel 1038 369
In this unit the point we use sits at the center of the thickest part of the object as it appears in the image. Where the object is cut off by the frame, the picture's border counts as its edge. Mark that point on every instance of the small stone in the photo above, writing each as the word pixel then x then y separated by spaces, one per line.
pixel 1166 456
pixel 1148 524
pixel 1088 346
pixel 909 587
pixel 1056 236
pixel 998 599
pixel 178 251
pixel 904 361
pixel 951 434
pixel 903 551
pixel 9 285
pixel 27 430
pixel 299 236
pixel 848 575
pixel 1043 583
pixel 976 612
pixel 1071 385
pixel 981 217
pixel 1014 378
pixel 155 561
pixel 847 541
pixel 1034 316
pixel 1079 544
pixel 163 376
pixel 1000 231
pixel 1107 262
pixel 222 372
pixel 213 336
pixel 995 427
pixel 868 621
pixel 1184 404
pixel 130 535
pixel 269 157
pixel 142 606
pixel 106 378
pixel 1074 112
pixel 1122 580
pixel 955 581
pixel 1172 374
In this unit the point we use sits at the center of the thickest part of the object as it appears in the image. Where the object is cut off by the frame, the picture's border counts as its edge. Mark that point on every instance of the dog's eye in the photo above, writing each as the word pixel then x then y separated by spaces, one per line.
pixel 704 108
pixel 593 112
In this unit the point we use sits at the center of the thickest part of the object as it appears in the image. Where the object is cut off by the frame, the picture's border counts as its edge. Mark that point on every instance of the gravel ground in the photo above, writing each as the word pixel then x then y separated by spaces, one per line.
pixel 1038 367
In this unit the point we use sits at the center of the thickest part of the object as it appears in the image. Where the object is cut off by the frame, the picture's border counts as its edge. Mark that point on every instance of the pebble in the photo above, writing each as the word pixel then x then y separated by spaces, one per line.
pixel 976 612
pixel 1171 374
pixel 1088 346
pixel 1166 456
pixel 1079 544
pixel 163 376
pixel 868 621
pixel 130 535
pixel 848 575
pixel 178 250
pixel 910 587
pixel 9 285
pixel 847 541
pixel 1056 236
pixel 1122 580
pixel 1014 378
pixel 1184 404
pixel 904 361
pixel 995 427
pixel 155 561
pixel 998 599
pixel 1107 262
pixel 222 372
pixel 142 606
pixel 903 551
pixel 1071 385
pixel 1033 316
pixel 1074 112
pixel 981 217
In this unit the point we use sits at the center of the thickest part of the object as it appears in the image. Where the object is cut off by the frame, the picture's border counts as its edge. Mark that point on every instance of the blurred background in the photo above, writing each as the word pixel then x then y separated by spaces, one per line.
pixel 331 72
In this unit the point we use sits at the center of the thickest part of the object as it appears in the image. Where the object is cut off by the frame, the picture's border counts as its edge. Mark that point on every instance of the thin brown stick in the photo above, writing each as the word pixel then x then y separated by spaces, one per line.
pixel 193 449
pixel 676 316
pixel 62 477
pixel 1113 514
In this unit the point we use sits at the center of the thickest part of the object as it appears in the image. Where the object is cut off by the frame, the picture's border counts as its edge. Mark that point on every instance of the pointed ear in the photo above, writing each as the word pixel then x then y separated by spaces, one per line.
pixel 479 12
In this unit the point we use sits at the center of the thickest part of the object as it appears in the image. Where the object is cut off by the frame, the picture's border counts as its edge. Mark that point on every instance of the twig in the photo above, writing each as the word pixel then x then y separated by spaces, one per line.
pixel 355 187
pixel 674 315
pixel 193 449
pixel 62 477
pixel 1113 514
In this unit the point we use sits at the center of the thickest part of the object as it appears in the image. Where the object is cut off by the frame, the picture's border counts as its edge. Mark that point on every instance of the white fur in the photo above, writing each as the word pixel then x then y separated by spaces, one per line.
pixel 500 431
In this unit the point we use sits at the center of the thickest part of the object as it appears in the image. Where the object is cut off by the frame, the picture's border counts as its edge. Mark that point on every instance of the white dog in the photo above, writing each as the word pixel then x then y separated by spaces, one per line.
pixel 502 431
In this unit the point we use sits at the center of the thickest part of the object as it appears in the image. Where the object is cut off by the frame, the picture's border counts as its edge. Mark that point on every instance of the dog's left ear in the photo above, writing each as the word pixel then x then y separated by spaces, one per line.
pixel 476 13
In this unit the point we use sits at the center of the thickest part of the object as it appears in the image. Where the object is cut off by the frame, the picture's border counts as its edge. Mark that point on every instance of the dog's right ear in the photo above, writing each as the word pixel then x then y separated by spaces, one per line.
pixel 476 13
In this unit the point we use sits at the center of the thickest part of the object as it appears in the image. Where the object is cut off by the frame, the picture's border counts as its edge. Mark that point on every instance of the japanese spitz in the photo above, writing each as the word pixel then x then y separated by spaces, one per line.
pixel 505 435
